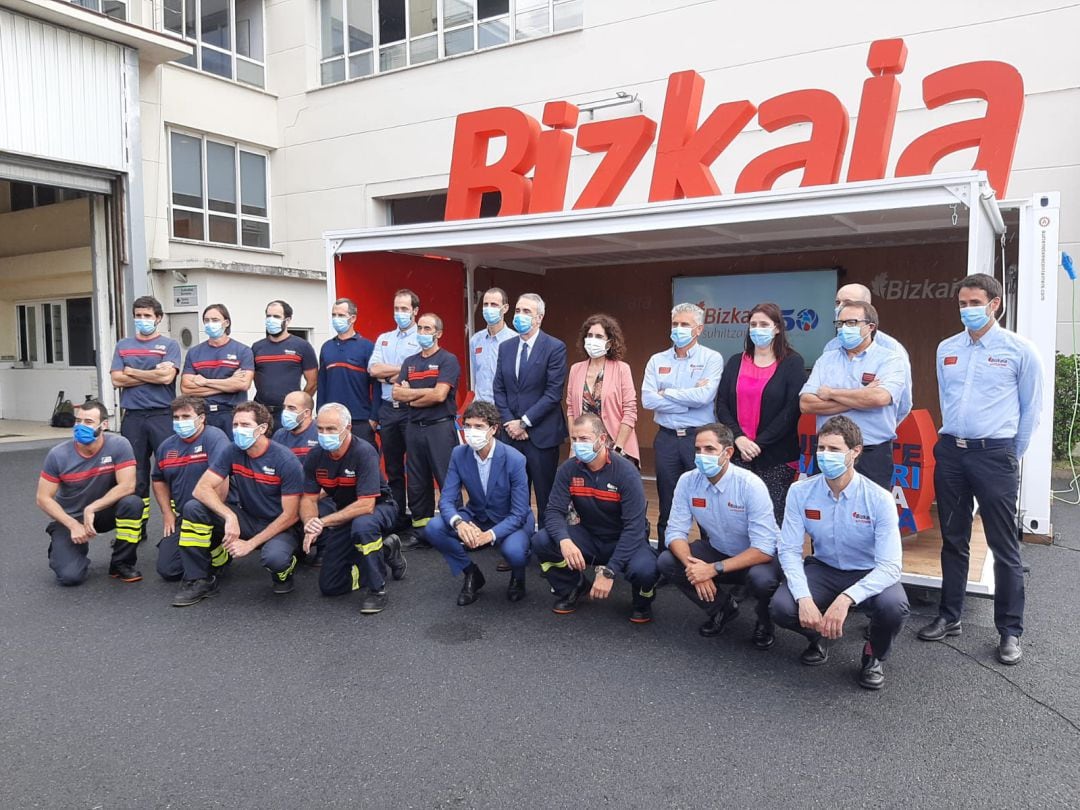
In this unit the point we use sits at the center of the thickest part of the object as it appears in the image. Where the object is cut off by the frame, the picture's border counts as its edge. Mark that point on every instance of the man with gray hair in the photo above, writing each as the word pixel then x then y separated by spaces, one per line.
pixel 680 389
pixel 528 387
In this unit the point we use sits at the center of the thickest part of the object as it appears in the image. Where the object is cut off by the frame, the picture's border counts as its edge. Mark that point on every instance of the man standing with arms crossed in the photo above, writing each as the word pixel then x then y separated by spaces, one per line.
pixel 280 360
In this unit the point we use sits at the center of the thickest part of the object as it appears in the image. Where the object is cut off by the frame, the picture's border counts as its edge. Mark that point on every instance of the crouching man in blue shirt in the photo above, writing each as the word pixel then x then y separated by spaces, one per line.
pixel 855 532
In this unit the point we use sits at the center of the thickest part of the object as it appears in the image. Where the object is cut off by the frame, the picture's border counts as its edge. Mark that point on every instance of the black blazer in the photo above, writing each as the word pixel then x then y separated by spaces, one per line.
pixel 778 429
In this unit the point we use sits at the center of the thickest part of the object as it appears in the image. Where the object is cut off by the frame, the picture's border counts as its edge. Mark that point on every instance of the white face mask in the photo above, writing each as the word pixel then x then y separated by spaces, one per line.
pixel 476 438
pixel 595 347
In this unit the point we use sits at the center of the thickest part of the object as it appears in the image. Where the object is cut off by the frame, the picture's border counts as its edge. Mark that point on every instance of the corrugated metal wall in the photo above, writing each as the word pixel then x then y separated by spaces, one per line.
pixel 61 94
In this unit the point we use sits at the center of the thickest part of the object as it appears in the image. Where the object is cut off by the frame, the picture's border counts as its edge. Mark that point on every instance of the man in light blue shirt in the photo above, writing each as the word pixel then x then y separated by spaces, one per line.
pixel 855 536
pixel 990 385
pixel 733 509
pixel 680 389
pixel 484 345
pixel 862 380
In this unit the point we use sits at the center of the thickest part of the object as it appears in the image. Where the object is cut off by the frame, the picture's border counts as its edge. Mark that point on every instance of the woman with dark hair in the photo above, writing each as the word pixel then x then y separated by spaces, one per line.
pixel 603 384
pixel 758 399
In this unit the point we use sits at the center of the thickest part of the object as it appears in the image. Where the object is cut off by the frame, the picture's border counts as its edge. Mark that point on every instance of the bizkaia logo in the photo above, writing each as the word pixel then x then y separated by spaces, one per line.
pixel 795 320
pixel 533 171
pixel 898 289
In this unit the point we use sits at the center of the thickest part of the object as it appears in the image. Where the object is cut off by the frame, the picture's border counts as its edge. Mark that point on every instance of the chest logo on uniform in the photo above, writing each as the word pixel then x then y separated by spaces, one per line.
pixel 479 350
pixel 350 473
pixel 269 471
pixel 612 488
pixel 385 343
pixel 290 351
pixel 868 377
pixel 106 460
pixel 665 369
pixel 198 449
pixel 433 367
pixel 159 349
pixel 864 519
pixel 698 503
pixel 322 473
pixel 176 454
pixel 697 367
pixel 577 482
pixel 951 360
pixel 813 514
pixel 230 357
pixel 998 362
pixel 735 507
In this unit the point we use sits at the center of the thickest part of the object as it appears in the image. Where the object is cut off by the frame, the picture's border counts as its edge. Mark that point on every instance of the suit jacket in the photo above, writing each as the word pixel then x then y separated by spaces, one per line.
pixel 539 393
pixel 618 400
pixel 778 428
pixel 505 507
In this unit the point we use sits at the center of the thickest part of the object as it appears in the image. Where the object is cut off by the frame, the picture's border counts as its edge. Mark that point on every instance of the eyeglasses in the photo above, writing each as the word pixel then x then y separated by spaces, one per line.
pixel 849 322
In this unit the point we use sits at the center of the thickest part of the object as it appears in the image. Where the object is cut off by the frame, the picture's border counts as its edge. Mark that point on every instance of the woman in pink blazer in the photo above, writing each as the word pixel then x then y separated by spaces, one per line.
pixel 603 384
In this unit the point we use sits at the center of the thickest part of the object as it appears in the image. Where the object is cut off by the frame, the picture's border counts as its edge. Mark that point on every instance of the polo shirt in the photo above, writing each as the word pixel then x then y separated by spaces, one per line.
pixel 259 484
pixel 220 363
pixel 146 354
pixel 279 367
pixel 180 463
pixel 345 480
pixel 427 372
pixel 343 374
pixel 83 480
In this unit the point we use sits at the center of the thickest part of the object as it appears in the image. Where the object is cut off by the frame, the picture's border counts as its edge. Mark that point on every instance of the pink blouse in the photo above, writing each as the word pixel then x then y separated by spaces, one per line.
pixel 748 389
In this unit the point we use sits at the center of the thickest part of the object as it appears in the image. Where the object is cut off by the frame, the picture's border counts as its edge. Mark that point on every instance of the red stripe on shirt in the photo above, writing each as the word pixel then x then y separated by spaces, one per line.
pixel 344 481
pixel 278 358
pixel 102 470
pixel 349 366
pixel 300 451
pixel 201 364
pixel 142 352
pixel 598 494
pixel 424 375
pixel 182 461
pixel 48 477
pixel 260 478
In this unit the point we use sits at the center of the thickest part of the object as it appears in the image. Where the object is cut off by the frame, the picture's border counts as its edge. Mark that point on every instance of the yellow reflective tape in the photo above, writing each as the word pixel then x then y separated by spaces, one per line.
pixel 219 556
pixel 198 529
pixel 369 548
pixel 284 575
pixel 356 577
pixel 547 566
pixel 193 542
pixel 648 594
pixel 421 523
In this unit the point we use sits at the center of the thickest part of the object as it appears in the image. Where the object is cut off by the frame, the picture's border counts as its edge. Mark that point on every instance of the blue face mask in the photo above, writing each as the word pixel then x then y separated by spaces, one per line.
pixel 831 463
pixel 145 327
pixel 850 336
pixel 585 452
pixel 403 319
pixel 330 441
pixel 243 437
pixel 214 329
pixel 974 318
pixel 492 315
pixel 681 336
pixel 274 325
pixel 761 335
pixel 290 419
pixel 184 428
pixel 84 434
pixel 341 325
pixel 709 466
pixel 523 323
pixel 425 341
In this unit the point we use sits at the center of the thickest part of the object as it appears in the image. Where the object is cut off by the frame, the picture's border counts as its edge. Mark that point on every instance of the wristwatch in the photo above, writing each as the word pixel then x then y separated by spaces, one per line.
pixel 719 567
pixel 455 520
pixel 604 571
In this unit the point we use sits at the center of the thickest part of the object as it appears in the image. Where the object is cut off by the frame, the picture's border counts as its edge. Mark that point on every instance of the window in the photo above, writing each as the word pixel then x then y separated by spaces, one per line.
pixel 26 195
pixel 219 192
pixel 227 35
pixel 117 9
pixel 432 207
pixel 362 37
pixel 56 333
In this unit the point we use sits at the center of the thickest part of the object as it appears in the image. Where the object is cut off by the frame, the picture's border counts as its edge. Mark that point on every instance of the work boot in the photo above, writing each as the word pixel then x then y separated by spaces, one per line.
pixel 282 586
pixel 568 604
pixel 125 572
pixel 193 591
pixel 374 602
pixel 393 557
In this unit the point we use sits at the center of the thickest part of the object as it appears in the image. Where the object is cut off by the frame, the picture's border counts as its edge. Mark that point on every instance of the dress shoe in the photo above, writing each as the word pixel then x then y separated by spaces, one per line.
pixel 474 581
pixel 193 591
pixel 763 637
pixel 393 557
pixel 872 675
pixel 374 602
pixel 413 541
pixel 716 623
pixel 815 654
pixel 939 628
pixel 1008 651
pixel 516 590
pixel 502 566
pixel 568 604
pixel 124 572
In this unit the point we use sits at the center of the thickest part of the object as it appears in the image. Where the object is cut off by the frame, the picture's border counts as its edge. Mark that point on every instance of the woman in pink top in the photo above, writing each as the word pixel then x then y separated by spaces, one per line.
pixel 758 399
pixel 603 384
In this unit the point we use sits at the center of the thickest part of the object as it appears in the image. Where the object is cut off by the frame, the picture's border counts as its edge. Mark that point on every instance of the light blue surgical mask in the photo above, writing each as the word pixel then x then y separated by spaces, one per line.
pixel 290 420
pixel 709 466
pixel 523 323
pixel 184 428
pixel 145 326
pixel 585 452
pixel 274 325
pixel 850 336
pixel 340 324
pixel 84 434
pixel 425 341
pixel 492 315
pixel 761 336
pixel 403 319
pixel 243 437
pixel 330 441
pixel 974 318
pixel 832 463
pixel 214 329
pixel 681 336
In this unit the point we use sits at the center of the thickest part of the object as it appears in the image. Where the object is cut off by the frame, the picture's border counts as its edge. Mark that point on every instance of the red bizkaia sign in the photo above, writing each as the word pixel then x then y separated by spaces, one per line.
pixel 532 173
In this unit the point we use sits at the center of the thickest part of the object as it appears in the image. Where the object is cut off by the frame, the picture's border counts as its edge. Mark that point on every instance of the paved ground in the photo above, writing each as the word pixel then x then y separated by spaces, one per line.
pixel 111 698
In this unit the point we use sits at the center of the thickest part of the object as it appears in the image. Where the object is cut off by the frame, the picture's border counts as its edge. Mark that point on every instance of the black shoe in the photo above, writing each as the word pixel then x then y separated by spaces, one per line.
pixel 516 590
pixel 872 675
pixel 763 637
pixel 393 557
pixel 716 623
pixel 474 581
pixel 641 614
pixel 124 572
pixel 193 591
pixel 938 629
pixel 815 654
pixel 414 540
pixel 1008 650
pixel 502 566
pixel 568 604
pixel 283 585
pixel 374 602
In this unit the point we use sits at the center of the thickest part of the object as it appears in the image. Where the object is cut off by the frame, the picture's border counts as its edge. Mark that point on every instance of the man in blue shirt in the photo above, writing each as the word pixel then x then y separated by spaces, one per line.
pixel 855 536
pixel 484 344
pixel 298 431
pixel 219 369
pixel 864 381
pixel 680 388
pixel 280 359
pixel 733 508
pixel 344 369
pixel 990 384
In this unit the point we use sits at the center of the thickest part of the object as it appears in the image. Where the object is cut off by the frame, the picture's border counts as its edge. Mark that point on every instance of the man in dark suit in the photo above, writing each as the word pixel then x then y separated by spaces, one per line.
pixel 529 381
pixel 498 513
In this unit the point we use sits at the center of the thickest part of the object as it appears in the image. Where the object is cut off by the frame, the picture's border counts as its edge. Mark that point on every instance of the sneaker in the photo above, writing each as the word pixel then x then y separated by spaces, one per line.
pixel 393 557
pixel 374 602
pixel 283 585
pixel 641 614
pixel 193 591
pixel 125 572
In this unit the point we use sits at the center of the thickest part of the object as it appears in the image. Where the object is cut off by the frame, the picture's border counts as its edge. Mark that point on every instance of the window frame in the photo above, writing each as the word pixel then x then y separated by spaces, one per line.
pixel 239 216
pixel 199 45
pixel 97 7
pixel 40 342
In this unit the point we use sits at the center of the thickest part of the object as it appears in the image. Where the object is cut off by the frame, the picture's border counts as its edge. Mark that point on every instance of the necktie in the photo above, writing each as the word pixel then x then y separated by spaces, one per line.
pixel 524 360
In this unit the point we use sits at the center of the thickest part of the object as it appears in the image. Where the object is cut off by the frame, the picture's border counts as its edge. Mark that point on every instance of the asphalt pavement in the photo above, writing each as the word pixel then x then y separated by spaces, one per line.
pixel 111 698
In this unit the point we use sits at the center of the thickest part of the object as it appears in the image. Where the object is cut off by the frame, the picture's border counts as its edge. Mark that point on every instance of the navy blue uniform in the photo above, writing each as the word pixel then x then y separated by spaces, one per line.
pixel 220 363
pixel 300 443
pixel 279 368
pixel 343 378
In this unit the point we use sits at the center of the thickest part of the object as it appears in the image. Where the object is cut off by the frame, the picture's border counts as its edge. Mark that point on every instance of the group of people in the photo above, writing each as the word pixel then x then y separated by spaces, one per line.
pixel 305 485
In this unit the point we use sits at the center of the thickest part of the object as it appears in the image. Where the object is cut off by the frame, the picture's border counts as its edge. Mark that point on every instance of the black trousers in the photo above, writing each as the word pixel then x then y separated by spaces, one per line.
pixel 201 533
pixel 674 455
pixel 220 416
pixel 146 430
pixel 428 448
pixel 541 464
pixel 876 463
pixel 69 560
pixel 762 580
pixel 361 429
pixel 640 570
pixel 778 479
pixel 990 475
pixel 392 422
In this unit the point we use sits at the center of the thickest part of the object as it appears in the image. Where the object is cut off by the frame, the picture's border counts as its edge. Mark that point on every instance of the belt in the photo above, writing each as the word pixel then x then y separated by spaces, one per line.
pixel 147 412
pixel 429 422
pixel 977 444
pixel 680 432
pixel 393 403
pixel 218 408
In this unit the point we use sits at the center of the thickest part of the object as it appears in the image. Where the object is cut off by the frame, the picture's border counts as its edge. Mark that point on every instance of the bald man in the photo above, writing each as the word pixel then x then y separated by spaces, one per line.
pixel 298 431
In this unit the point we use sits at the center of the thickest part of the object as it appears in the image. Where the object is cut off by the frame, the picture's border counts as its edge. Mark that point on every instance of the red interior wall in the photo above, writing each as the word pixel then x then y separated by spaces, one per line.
pixel 371 279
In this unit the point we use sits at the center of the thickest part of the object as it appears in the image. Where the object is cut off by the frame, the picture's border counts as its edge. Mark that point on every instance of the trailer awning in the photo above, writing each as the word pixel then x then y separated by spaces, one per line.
pixel 937 208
